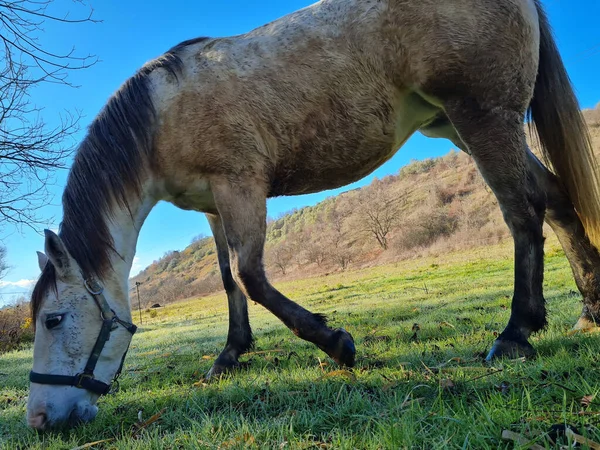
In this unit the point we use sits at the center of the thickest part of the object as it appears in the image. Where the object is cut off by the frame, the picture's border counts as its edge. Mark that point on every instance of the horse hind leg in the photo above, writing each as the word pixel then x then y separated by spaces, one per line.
pixel 496 140
pixel 242 207
pixel 582 255
pixel 239 336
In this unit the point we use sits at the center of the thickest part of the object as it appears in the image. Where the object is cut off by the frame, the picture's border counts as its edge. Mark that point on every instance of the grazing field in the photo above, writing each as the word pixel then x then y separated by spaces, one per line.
pixel 421 328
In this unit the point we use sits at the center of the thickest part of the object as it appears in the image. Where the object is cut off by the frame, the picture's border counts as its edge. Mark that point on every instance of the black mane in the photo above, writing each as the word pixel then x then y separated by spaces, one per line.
pixel 107 169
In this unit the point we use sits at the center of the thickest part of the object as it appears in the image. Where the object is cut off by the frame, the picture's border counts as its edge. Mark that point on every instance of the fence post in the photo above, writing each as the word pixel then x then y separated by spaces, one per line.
pixel 137 289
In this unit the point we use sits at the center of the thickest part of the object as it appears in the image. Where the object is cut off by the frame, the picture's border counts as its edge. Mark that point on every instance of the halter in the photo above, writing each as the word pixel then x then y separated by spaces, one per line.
pixel 85 379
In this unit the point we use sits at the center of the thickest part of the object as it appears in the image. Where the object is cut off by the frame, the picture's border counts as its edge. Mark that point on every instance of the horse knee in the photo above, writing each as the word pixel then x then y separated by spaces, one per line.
pixel 248 278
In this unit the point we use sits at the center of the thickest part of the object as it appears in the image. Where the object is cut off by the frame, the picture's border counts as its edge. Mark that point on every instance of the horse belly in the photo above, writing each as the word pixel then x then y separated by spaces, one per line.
pixel 349 145
pixel 331 164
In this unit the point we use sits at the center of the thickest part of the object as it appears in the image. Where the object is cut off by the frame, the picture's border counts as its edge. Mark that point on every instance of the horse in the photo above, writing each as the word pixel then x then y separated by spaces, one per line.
pixel 312 101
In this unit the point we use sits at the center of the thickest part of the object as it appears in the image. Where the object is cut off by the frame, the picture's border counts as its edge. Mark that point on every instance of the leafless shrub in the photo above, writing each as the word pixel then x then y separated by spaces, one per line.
pixel 592 116
pixel 425 230
pixel 15 327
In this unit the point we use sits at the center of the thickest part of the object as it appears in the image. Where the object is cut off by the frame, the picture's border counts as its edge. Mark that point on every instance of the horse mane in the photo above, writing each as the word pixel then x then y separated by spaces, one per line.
pixel 106 169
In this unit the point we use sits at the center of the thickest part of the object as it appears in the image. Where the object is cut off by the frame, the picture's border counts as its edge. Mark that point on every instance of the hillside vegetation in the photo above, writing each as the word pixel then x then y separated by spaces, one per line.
pixel 429 207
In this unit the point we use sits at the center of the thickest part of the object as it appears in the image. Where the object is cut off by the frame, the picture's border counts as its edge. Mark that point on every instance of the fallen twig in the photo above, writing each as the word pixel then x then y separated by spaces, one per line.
pixel 485 375
pixel 582 440
pixel 140 426
pixel 508 435
pixel 264 352
pixel 427 368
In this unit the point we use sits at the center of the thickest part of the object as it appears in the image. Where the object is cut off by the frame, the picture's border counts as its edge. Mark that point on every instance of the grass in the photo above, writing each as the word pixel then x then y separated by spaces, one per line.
pixel 426 390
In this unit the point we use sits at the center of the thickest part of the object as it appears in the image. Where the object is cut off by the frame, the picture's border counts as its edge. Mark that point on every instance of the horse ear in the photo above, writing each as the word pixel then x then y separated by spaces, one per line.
pixel 42 260
pixel 58 255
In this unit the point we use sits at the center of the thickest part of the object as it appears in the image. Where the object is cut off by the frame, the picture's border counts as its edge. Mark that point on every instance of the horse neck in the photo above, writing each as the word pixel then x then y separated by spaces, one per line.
pixel 124 226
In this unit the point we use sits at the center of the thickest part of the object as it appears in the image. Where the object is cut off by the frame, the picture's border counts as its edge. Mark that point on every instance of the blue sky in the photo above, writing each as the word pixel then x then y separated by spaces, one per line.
pixel 135 31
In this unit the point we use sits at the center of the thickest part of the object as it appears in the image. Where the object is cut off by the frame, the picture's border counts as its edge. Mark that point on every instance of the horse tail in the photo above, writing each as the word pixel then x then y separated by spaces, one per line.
pixel 564 137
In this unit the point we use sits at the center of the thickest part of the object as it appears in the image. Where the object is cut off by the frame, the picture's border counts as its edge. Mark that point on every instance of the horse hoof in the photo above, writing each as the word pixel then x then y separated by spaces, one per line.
pixel 221 368
pixel 342 349
pixel 510 349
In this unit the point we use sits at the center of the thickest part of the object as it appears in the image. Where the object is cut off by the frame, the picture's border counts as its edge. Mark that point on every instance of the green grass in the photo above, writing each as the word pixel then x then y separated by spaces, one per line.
pixel 398 395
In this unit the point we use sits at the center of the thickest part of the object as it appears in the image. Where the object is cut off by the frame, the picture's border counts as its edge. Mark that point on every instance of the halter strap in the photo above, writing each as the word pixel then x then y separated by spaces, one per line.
pixel 86 380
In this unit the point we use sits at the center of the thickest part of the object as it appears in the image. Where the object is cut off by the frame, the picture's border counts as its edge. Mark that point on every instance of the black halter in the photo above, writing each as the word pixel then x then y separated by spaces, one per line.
pixel 85 379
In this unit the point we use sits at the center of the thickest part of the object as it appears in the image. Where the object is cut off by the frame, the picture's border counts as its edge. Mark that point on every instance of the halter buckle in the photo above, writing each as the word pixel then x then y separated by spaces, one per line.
pixel 93 287
pixel 81 377
pixel 114 319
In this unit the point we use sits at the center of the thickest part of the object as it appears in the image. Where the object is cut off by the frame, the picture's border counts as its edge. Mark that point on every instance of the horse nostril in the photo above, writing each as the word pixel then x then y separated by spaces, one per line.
pixel 75 416
pixel 38 421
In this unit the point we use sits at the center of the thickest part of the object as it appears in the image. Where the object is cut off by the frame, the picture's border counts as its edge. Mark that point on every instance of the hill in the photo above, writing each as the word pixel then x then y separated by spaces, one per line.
pixel 428 208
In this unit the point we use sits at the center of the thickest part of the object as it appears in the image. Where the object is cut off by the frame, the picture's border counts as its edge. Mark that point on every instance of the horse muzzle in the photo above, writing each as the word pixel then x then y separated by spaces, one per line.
pixel 55 408
pixel 52 415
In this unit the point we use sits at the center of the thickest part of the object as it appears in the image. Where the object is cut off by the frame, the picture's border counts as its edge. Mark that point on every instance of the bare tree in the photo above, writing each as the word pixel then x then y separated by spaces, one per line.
pixel 30 149
pixel 314 251
pixel 337 217
pixel 341 252
pixel 340 249
pixel 378 212
pixel 280 255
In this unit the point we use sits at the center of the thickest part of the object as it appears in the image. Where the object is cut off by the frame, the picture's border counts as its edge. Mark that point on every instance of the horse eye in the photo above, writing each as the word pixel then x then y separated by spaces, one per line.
pixel 54 321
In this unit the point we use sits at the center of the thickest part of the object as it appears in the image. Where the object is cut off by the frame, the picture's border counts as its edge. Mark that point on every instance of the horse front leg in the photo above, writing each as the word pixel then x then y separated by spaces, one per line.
pixel 242 208
pixel 239 337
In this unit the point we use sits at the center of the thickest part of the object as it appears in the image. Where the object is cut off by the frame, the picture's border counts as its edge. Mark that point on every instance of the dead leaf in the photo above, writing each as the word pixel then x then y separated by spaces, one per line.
pixel 92 444
pixel 208 357
pixel 247 439
pixel 584 331
pixel 508 435
pixel 201 383
pixel 339 373
pixel 587 400
pixel 446 324
pixel 447 383
pixel 227 444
